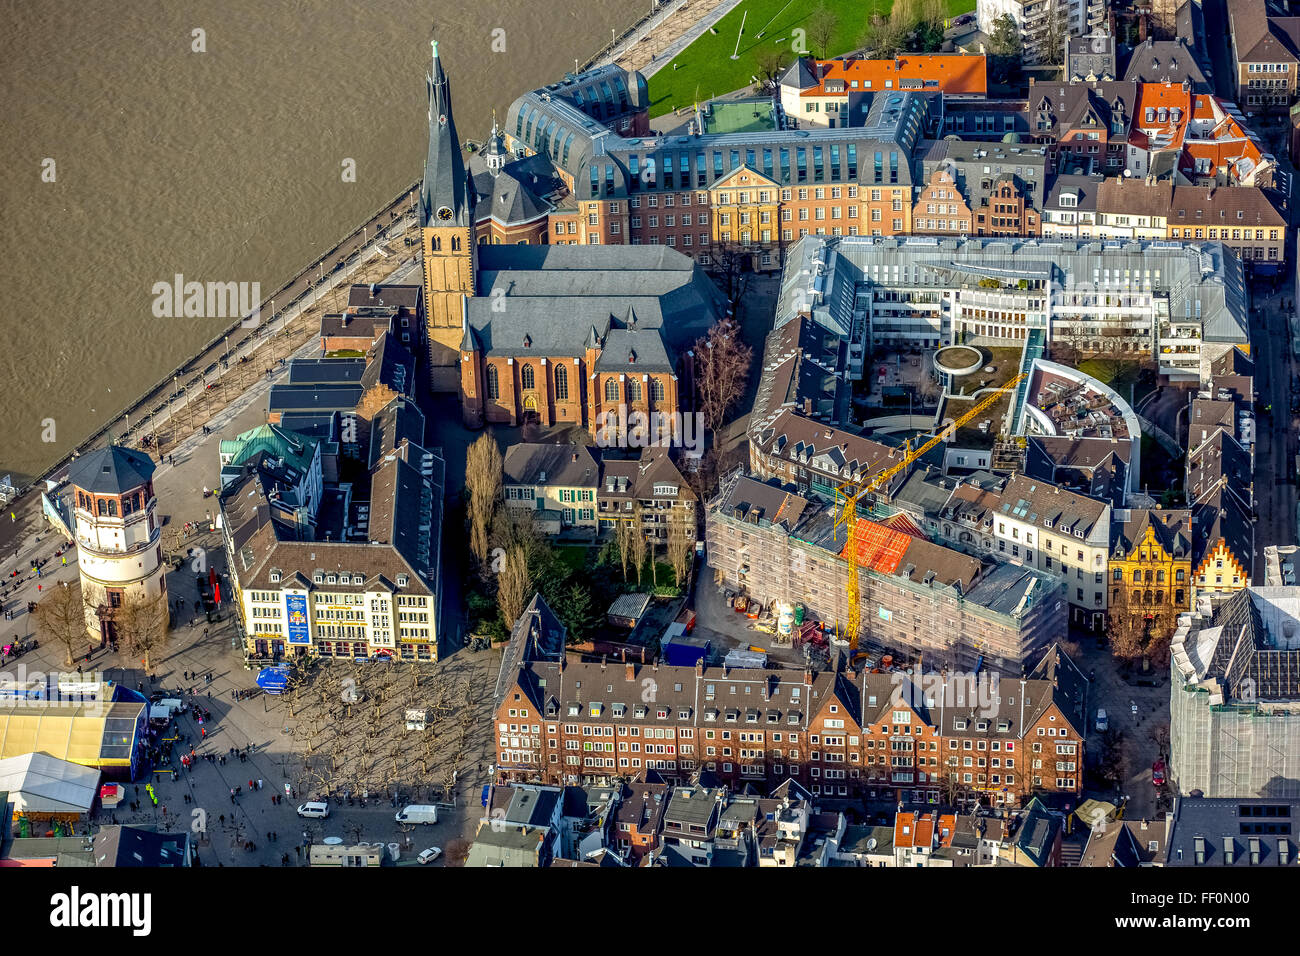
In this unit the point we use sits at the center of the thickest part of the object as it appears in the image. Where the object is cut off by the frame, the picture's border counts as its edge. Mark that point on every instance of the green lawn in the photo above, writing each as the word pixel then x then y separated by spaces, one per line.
pixel 574 556
pixel 705 68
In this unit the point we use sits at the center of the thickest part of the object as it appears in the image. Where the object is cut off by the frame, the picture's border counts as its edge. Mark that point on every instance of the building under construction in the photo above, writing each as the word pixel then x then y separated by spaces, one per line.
pixel 915 597
pixel 1235 696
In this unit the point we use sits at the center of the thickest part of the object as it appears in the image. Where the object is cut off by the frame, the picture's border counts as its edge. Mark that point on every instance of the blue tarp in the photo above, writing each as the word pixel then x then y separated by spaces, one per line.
pixel 273 680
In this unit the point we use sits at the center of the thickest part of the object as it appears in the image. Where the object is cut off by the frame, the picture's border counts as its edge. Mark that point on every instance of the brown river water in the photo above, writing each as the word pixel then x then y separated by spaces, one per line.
pixel 223 166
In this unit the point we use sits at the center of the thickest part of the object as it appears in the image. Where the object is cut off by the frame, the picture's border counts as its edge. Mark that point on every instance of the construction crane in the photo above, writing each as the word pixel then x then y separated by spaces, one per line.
pixel 850 495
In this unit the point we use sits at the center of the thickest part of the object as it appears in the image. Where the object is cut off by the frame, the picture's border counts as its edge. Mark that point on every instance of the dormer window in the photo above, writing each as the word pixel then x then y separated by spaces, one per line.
pixel 275 575
pixel 402 580
pixel 318 577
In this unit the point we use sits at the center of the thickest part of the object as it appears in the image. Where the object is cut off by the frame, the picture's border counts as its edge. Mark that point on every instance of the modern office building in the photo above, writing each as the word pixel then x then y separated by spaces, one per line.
pixel 908 292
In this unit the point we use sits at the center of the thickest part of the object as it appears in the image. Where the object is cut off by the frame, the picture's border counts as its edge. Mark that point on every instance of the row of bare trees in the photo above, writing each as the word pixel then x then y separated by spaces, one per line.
pixel 350 730
pixel 140 624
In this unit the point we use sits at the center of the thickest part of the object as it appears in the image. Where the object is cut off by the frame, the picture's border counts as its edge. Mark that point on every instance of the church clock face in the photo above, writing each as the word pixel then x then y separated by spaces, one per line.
pixel 444 213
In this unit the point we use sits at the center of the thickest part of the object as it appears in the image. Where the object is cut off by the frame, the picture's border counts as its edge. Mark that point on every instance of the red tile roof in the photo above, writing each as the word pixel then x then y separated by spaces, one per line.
pixel 952 72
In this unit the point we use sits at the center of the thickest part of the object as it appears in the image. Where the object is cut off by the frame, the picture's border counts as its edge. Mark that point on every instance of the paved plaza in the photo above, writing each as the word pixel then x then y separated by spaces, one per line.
pixel 257 722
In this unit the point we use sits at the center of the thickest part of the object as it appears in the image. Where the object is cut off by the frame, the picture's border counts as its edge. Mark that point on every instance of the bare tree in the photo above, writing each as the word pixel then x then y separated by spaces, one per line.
pixel 61 618
pixel 1114 757
pixel 639 548
pixel 483 485
pixel 514 586
pixel 822 24
pixel 1057 30
pixel 624 530
pixel 681 544
pixel 516 528
pixel 722 371
pixel 771 64
pixel 141 625
pixel 1126 629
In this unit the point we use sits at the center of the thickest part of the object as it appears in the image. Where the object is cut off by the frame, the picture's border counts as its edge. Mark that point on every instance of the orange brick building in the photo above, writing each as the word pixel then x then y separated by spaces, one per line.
pixel 834 732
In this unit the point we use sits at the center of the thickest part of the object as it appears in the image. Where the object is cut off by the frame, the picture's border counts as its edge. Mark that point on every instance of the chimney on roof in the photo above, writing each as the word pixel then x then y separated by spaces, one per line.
pixel 699 667
pixel 629 673
pixel 602 662
pixel 807 675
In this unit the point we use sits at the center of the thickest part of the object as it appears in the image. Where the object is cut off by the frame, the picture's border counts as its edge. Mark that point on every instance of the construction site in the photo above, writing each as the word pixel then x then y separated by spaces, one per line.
pixel 898 594
pixel 1235 701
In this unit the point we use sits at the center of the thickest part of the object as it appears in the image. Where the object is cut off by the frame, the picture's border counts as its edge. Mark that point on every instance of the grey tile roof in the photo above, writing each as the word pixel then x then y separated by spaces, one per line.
pixel 1172 528
pixel 1083 188
pixel 326 371
pixel 445 183
pixel 1223 831
pixel 385 295
pixel 390 363
pixel 1160 61
pixel 980 165
pixel 517 193
pixel 111 470
pixel 123 846
pixel 553 296
pixel 562 465
pixel 313 398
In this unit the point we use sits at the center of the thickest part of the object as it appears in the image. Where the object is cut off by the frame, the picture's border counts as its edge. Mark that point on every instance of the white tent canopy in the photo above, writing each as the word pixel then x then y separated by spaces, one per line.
pixel 39 783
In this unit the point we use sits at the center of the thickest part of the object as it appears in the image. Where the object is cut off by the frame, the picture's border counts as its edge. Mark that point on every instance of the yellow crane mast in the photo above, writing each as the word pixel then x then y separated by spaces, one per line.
pixel 849 496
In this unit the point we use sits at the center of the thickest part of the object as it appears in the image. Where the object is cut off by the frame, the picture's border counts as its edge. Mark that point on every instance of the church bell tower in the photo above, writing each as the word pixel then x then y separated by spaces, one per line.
pixel 447 227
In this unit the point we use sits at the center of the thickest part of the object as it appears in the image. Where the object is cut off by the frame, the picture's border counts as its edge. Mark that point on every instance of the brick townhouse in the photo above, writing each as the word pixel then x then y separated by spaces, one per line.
pixel 834 732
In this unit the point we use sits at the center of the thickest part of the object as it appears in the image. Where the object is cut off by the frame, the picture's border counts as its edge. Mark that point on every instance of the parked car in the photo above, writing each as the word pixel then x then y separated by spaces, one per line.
pixel 1101 723
pixel 314 810
pixel 964 19
pixel 429 855
pixel 418 813
pixel 1158 773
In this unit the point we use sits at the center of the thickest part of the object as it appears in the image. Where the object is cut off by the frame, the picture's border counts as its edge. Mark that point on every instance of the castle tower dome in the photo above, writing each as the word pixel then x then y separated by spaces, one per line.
pixel 118 537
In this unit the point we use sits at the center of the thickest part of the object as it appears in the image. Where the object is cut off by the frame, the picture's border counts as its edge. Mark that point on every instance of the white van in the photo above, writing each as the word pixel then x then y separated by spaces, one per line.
pixel 317 811
pixel 418 814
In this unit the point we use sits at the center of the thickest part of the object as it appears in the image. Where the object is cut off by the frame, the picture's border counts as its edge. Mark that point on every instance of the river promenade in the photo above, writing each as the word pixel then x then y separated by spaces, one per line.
pixel 199 388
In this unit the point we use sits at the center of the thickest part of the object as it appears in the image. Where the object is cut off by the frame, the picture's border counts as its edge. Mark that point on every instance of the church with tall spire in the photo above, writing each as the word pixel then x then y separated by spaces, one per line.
pixel 531 318
pixel 447 228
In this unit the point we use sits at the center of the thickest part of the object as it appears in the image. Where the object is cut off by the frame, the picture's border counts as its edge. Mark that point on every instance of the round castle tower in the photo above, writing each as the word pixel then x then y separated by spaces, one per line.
pixel 119 550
